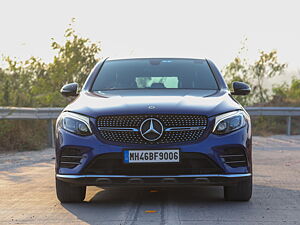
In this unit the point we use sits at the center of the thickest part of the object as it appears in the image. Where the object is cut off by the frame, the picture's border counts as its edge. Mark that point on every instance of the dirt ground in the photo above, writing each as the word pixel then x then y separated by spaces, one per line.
pixel 27 194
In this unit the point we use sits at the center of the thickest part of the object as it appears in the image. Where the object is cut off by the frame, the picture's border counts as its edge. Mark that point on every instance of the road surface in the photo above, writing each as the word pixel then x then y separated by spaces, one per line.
pixel 27 194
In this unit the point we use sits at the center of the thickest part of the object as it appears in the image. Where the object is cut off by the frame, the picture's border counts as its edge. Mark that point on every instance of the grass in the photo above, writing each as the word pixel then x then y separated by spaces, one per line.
pixel 272 125
pixel 23 135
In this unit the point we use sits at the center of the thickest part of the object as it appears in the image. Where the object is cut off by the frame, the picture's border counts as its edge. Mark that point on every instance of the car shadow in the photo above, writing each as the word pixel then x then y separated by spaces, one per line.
pixel 127 206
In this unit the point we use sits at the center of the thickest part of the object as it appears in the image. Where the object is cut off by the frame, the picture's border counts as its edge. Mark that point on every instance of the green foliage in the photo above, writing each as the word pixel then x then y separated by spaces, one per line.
pixel 267 66
pixel 34 83
pixel 74 61
pixel 287 95
pixel 17 80
pixel 37 84
pixel 238 70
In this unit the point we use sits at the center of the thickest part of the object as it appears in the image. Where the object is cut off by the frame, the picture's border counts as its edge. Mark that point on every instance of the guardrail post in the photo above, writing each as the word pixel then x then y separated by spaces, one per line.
pixel 289 125
pixel 50 133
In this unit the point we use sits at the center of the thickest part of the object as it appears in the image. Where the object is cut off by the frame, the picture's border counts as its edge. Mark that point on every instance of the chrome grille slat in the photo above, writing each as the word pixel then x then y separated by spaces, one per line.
pixel 224 156
pixel 242 161
pixel 71 156
pixel 185 128
pixel 72 163
pixel 118 129
pixel 178 128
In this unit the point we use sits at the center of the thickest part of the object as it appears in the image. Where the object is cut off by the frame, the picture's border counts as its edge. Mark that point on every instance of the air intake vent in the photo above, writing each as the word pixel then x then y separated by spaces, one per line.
pixel 70 158
pixel 234 157
pixel 191 163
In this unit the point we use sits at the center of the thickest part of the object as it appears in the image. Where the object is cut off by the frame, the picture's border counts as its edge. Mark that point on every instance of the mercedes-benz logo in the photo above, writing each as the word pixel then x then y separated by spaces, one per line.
pixel 151 129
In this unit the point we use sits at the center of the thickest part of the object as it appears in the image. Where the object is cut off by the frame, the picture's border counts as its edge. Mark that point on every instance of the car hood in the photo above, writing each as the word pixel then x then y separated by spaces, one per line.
pixel 203 102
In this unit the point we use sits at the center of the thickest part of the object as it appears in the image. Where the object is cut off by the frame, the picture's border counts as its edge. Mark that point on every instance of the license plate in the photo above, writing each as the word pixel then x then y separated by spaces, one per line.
pixel 151 156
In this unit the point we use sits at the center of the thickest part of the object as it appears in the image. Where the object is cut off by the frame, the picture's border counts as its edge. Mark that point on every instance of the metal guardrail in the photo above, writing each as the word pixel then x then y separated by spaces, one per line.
pixel 276 111
pixel 12 113
pixel 50 114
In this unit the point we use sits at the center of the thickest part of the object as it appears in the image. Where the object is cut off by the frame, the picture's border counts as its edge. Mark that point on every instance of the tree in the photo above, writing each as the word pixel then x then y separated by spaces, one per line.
pixel 238 70
pixel 285 94
pixel 33 83
pixel 17 81
pixel 73 62
pixel 267 66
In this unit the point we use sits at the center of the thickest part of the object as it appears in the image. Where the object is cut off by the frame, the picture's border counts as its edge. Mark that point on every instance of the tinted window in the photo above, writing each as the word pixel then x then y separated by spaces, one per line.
pixel 155 73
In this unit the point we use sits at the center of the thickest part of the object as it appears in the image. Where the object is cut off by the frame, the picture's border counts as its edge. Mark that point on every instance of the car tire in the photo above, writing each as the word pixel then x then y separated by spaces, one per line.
pixel 242 191
pixel 67 192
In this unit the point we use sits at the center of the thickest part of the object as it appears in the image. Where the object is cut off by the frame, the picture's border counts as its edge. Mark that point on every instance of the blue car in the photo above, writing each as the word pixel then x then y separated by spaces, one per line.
pixel 149 122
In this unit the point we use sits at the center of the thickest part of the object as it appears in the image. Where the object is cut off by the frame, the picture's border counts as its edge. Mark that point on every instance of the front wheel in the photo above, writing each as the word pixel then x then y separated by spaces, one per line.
pixel 242 191
pixel 66 192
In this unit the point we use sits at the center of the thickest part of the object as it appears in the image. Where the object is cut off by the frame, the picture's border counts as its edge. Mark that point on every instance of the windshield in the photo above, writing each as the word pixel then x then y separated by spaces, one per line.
pixel 155 74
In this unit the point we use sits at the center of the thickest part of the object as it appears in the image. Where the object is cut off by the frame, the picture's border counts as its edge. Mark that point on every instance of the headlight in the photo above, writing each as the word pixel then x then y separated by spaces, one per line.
pixel 229 122
pixel 75 123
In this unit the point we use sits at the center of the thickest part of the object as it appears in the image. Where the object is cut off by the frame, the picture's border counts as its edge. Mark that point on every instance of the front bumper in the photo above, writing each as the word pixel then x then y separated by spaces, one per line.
pixel 136 181
pixel 213 147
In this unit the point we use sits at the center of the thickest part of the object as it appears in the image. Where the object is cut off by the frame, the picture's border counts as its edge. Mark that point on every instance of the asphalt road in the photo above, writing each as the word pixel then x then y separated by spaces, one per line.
pixel 27 194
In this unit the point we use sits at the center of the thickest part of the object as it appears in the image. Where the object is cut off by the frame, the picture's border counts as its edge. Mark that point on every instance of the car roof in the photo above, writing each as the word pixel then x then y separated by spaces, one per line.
pixel 147 57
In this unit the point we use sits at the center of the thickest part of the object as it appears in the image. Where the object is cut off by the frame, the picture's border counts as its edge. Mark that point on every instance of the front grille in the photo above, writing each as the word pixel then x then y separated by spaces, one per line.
pixel 234 157
pixel 168 121
pixel 190 163
pixel 70 158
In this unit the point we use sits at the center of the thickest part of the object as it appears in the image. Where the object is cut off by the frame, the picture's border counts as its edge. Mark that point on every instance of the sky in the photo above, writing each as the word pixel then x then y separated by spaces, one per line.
pixel 211 29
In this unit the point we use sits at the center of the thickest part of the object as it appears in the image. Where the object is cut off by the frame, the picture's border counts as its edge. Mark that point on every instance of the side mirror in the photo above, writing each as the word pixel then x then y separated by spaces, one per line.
pixel 240 88
pixel 69 90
